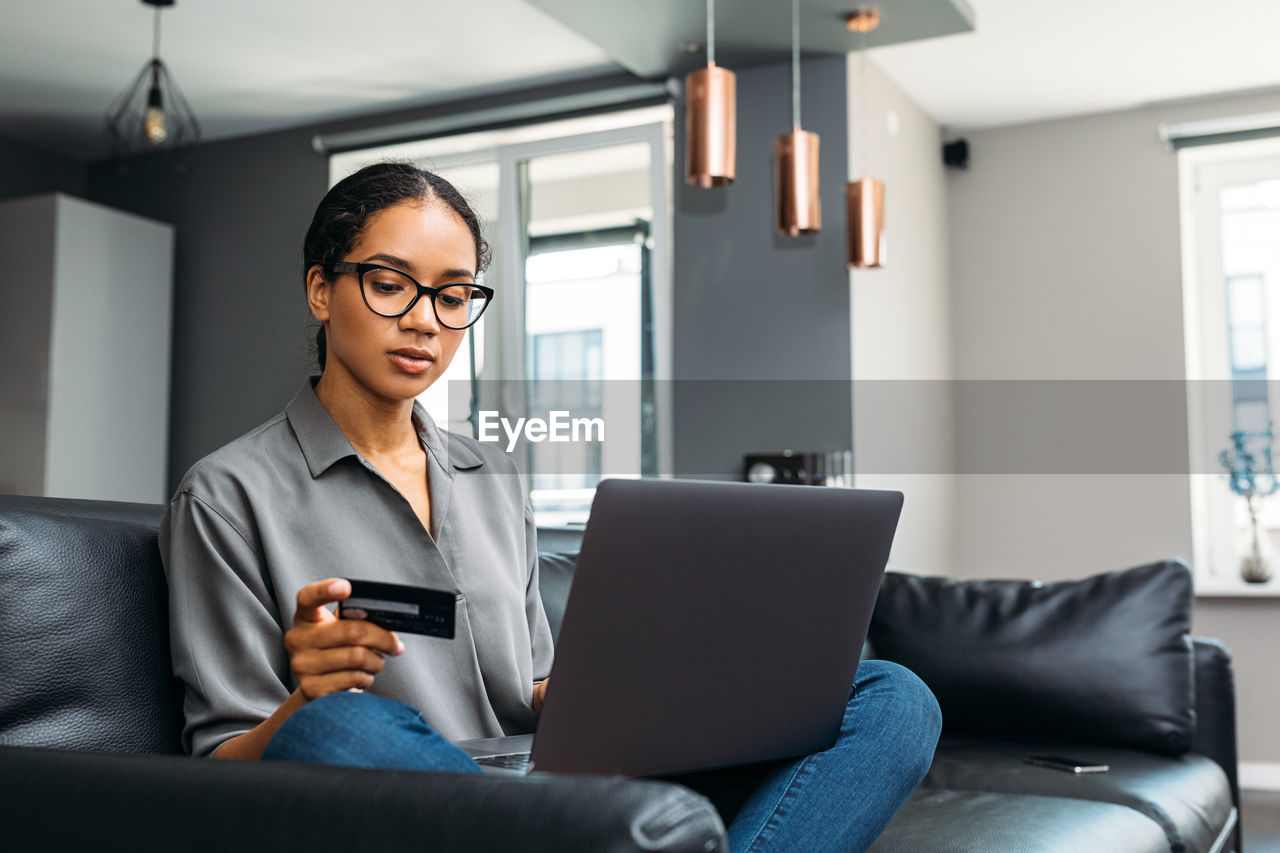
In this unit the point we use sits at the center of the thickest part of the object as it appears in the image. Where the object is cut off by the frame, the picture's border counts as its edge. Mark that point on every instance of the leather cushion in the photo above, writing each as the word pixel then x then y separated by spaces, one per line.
pixel 1105 659
pixel 941 821
pixel 1188 797
pixel 84 643
pixel 555 574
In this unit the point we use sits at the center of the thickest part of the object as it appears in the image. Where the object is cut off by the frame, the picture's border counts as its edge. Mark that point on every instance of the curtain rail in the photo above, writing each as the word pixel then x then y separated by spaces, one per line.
pixel 334 143
pixel 1189 134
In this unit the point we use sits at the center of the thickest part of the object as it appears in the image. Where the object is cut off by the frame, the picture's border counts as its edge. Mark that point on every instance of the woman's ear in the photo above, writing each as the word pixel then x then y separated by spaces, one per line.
pixel 318 290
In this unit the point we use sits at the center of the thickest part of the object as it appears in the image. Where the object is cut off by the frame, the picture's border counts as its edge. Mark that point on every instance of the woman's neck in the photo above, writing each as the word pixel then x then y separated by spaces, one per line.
pixel 376 427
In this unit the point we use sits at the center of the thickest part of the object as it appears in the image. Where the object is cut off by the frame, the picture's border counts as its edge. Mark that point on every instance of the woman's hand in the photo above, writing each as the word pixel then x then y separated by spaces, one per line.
pixel 328 654
pixel 540 694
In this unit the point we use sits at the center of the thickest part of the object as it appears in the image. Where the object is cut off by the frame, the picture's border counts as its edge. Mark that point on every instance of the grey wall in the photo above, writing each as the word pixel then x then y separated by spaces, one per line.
pixel 1066 264
pixel 239 348
pixel 754 307
pixel 25 171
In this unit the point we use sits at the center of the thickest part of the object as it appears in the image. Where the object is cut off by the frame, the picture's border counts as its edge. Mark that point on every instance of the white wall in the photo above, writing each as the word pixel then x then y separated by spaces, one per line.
pixel 900 319
pixel 109 355
pixel 85 325
pixel 1065 250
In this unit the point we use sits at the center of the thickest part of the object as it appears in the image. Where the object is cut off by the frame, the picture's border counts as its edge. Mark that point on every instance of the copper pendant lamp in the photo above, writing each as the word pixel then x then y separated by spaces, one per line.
pixel 711 119
pixel 866 243
pixel 865 197
pixel 795 159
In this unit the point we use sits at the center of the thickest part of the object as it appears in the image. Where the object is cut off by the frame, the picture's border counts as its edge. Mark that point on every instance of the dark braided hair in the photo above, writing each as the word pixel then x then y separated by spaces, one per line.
pixel 347 208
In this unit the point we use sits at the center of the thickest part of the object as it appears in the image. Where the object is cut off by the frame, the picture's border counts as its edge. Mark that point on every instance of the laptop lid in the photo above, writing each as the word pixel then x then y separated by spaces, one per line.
pixel 711 624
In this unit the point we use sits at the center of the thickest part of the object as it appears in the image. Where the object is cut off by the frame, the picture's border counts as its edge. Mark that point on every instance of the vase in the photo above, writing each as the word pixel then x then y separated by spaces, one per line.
pixel 1256 565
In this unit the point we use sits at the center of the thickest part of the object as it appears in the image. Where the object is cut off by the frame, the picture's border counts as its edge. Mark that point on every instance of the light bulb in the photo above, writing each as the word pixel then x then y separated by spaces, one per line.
pixel 153 126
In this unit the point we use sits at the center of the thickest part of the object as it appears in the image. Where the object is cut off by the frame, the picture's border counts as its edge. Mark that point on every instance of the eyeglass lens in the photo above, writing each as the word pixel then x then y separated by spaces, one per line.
pixel 389 293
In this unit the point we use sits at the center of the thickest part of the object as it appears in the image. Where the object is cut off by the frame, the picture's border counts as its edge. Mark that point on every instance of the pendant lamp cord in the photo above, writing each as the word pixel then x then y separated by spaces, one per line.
pixel 711 32
pixel 155 38
pixel 795 64
pixel 862 86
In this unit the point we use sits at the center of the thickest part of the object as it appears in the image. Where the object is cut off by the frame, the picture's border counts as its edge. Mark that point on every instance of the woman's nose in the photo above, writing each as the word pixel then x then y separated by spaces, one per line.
pixel 421 317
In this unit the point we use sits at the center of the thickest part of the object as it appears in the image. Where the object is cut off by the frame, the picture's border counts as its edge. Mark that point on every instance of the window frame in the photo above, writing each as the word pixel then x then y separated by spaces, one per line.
pixel 503 341
pixel 1216 512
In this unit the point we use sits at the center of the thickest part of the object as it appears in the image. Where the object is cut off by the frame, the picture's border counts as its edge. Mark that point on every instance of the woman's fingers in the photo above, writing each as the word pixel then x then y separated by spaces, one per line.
pixel 328 654
pixel 322 661
pixel 343 632
pixel 315 686
pixel 313 597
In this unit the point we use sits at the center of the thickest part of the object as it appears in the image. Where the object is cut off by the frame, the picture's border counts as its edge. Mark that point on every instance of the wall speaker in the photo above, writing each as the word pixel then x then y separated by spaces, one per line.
pixel 956 154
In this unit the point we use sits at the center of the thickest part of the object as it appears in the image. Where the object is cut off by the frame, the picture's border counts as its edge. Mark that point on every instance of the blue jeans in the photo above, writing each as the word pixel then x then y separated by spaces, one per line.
pixel 839 799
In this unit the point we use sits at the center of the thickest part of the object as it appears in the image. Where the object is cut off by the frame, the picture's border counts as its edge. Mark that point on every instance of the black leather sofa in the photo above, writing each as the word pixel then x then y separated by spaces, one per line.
pixel 89 723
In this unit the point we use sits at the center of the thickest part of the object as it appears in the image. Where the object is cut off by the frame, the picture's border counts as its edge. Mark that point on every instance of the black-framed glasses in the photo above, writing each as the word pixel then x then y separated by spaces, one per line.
pixel 388 292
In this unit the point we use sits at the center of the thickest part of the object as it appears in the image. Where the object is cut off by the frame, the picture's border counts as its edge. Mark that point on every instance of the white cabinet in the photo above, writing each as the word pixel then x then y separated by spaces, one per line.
pixel 85 323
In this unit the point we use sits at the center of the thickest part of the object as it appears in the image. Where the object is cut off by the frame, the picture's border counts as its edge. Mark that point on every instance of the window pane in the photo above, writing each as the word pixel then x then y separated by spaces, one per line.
pixel 1248 350
pixel 1240 197
pixel 1250 241
pixel 585 305
pixel 1252 417
pixel 1244 299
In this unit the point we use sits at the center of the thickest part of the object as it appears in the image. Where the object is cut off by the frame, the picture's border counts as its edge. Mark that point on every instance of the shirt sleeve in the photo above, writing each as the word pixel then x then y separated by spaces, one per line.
pixel 539 628
pixel 226 634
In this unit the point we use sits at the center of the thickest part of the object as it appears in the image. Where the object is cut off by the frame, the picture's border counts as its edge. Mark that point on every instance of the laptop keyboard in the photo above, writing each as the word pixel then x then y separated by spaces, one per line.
pixel 511 761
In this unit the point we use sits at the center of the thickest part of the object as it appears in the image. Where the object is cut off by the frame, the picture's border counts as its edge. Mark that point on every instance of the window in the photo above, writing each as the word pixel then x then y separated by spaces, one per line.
pixel 1231 238
pixel 565 355
pixel 577 214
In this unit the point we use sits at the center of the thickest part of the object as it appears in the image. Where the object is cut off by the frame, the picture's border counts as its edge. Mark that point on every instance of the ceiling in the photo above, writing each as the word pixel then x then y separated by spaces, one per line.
pixel 1035 59
pixel 253 65
pixel 658 37
pixel 248 66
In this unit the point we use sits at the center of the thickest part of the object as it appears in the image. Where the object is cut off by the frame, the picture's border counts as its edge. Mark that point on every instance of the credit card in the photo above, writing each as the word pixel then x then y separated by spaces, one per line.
pixel 397 607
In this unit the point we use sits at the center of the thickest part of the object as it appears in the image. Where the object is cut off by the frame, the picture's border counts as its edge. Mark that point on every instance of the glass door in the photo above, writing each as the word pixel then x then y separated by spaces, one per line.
pixel 587 218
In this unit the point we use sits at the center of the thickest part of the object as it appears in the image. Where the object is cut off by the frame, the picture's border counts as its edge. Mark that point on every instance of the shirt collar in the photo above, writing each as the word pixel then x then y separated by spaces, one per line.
pixel 323 442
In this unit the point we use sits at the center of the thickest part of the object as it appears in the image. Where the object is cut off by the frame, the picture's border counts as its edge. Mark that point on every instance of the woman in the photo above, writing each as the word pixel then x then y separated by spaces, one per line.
pixel 354 479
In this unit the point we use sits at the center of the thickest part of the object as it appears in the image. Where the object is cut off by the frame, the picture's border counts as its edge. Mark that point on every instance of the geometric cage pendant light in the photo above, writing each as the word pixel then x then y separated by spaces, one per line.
pixel 151 116
pixel 711 119
pixel 798 209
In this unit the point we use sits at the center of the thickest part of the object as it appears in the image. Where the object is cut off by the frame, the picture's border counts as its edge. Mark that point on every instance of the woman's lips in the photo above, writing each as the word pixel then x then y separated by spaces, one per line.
pixel 411 361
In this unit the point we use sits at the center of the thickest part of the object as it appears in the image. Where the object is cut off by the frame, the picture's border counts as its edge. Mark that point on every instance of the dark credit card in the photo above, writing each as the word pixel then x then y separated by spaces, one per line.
pixel 396 607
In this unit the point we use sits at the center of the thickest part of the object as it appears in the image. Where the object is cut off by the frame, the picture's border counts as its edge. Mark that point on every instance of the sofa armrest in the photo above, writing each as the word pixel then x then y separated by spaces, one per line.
pixel 94 800
pixel 1215 733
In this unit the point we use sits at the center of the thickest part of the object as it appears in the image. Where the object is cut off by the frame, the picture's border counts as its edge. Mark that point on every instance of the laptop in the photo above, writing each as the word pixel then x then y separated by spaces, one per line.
pixel 709 624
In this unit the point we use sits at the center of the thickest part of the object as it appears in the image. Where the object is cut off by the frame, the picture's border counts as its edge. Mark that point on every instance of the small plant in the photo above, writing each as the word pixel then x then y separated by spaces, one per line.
pixel 1252 476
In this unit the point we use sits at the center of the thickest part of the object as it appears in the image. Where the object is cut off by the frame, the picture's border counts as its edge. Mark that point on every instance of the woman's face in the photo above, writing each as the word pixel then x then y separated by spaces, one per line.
pixel 395 358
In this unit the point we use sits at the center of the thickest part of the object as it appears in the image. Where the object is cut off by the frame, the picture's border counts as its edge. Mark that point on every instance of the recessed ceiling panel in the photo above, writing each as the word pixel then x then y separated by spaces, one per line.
pixel 655 38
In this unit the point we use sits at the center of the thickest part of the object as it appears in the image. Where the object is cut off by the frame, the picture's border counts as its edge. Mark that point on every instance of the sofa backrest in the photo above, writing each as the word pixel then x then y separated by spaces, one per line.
pixel 84 647
pixel 1102 659
pixel 84 628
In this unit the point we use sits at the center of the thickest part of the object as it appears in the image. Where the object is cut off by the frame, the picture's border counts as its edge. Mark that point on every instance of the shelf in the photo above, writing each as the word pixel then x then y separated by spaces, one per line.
pixel 1235 588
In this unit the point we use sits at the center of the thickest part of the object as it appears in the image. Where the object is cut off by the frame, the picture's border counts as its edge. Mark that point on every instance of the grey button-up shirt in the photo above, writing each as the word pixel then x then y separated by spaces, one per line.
pixel 292 502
